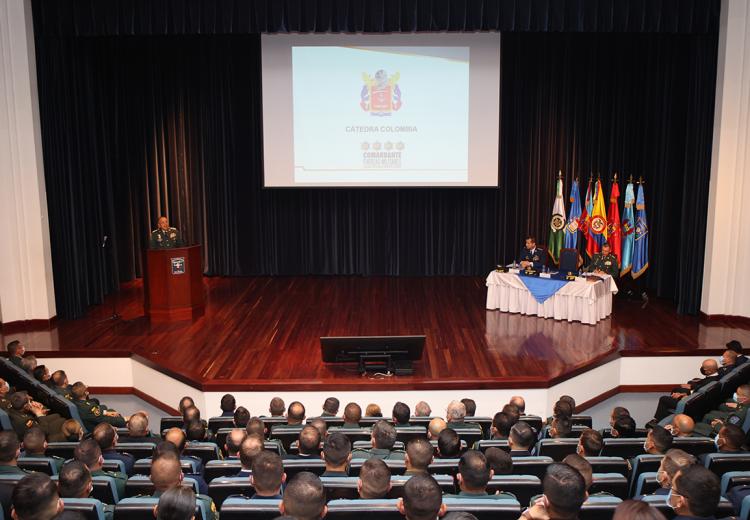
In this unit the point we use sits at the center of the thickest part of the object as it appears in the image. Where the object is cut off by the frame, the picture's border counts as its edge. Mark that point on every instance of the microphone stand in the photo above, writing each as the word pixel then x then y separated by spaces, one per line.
pixel 114 317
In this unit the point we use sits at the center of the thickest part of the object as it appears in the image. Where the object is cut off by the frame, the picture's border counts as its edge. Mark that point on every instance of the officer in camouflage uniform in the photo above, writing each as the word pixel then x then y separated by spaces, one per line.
pixel 92 412
pixel 604 262
pixel 164 236
pixel 383 439
pixel 714 420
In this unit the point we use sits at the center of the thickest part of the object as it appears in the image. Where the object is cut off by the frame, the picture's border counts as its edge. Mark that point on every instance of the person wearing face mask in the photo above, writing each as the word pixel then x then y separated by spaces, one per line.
pixel 694 494
pixel 658 441
pixel 4 389
pixel 715 419
pixel 730 439
pixel 674 460
pixel 710 371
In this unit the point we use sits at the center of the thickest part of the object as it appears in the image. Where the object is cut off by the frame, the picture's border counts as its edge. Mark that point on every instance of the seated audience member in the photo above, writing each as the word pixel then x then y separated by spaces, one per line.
pixel 321 426
pixel 177 503
pixel 667 403
pixel 590 443
pixel 185 403
pixel 568 399
pixel 730 439
pixel 138 430
pixel 192 414
pixel 373 410
pixel 241 416
pixel 4 391
pixel 728 362
pixel 473 475
pixel 382 439
pixel 637 510
pixel 435 427
pixel 564 494
pixel 89 454
pixel 448 444
pixel 249 449
pixel 658 441
pixel 41 374
pixel 72 430
pixel 374 479
pixel 419 456
pixel 337 453
pixel 36 497
pixel 560 409
pixel 519 402
pixel 75 482
pixel 304 498
pixel 674 460
pixel 196 431
pixel 617 412
pixel 166 474
pixel 624 428
pixel 511 411
pixel 561 428
pixel 470 405
pixel 268 475
pixel 695 493
pixel 177 437
pixel 423 499
pixel 29 364
pixel 60 384
pixel 233 442
pixel 422 409
pixel 25 413
pixel 682 426
pixel 308 444
pixel 295 414
pixel 16 350
pixel 501 425
pixel 330 407
pixel 35 447
pixel 92 412
pixel 227 405
pixel 736 346
pixel 455 414
pixel 499 460
pixel 277 407
pixel 256 426
pixel 521 440
pixel 401 414
pixel 106 437
pixel 715 419
pixel 352 415
pixel 583 467
pixel 10 450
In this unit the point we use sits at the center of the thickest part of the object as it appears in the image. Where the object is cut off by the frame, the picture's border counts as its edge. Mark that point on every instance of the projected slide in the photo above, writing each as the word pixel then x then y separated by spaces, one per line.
pixel 399 110
pixel 380 114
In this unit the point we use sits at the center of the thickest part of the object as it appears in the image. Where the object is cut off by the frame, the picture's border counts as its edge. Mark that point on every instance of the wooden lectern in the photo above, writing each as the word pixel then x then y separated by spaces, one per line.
pixel 173 285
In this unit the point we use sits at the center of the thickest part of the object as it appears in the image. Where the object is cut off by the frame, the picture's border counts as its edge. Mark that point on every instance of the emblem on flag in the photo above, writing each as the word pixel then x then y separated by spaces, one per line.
pixel 598 224
pixel 557 223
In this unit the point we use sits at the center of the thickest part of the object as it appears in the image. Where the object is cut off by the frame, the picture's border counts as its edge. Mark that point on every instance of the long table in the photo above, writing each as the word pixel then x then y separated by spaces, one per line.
pixel 581 300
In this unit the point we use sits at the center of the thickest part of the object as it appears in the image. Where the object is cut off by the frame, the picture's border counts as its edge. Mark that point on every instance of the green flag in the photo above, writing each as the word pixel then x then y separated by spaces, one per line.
pixel 557 224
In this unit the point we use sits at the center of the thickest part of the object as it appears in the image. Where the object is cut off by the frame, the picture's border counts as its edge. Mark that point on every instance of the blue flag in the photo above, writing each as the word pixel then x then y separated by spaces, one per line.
pixel 640 245
pixel 574 218
pixel 628 230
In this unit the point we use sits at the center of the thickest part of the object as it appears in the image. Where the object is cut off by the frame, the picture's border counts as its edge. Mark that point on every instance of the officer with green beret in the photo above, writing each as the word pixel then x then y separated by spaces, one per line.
pixel 165 236
pixel 604 262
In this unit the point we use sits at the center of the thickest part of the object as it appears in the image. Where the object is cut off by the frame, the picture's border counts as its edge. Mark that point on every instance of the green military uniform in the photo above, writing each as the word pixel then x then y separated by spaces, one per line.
pixel 168 239
pixel 92 413
pixel 12 470
pixel 736 418
pixel 607 263
pixel 208 503
pixel 58 461
pixel 502 495
pixel 378 453
pixel 65 391
pixel 120 479
pixel 50 424
pixel 5 403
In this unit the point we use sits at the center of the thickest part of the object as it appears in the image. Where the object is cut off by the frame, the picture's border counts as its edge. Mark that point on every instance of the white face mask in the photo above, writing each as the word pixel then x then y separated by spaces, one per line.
pixel 645 446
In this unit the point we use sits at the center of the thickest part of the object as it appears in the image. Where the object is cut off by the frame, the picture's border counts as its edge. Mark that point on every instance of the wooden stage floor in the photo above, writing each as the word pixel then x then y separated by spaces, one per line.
pixel 262 333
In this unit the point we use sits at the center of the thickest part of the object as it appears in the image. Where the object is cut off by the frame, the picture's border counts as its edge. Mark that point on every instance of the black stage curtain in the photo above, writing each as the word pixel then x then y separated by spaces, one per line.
pixel 142 125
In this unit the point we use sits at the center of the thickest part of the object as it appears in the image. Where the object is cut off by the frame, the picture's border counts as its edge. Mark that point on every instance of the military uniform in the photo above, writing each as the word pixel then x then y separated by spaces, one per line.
pixel 51 424
pixel 208 504
pixel 12 470
pixel 607 263
pixel 168 239
pixel 120 479
pixel 58 461
pixel 378 453
pixel 92 413
pixel 737 418
pixel 537 256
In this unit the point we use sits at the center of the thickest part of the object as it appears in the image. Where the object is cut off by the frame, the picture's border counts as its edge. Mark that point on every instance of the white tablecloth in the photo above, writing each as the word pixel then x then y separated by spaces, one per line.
pixel 587 302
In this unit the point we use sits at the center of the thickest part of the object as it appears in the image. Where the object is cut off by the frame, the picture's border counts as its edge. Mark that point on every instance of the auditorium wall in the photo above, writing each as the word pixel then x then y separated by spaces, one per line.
pixel 726 277
pixel 26 284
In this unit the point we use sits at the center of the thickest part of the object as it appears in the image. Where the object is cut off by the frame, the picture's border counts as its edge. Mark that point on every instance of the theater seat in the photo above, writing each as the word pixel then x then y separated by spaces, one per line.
pixel 612 483
pixel 485 444
pixel 486 509
pixel 534 421
pixel 721 463
pixel 219 489
pixel 217 423
pixel 694 445
pixel 444 467
pixel 285 433
pixel 114 465
pixel 104 488
pixel 366 445
pixel 397 467
pixel 354 434
pixel 245 509
pixel 536 466
pixel 522 486
pixel 294 466
pixel 723 510
pixel 646 484
pixel 61 449
pixel 332 421
pixel 558 449
pixel 89 508
pixel 581 420
pixel 171 421
pixel 143 466
pixel 45 465
pixel 644 463
pixel 406 433
pixel 139 450
pixel 609 465
pixel 340 487
pixel 205 451
pixel 221 439
pixel 446 483
pixel 141 485
pixel 625 448
pixel 731 479
pixel 463 446
pixel 484 422
pixel 599 508
pixel 142 508
pixel 221 468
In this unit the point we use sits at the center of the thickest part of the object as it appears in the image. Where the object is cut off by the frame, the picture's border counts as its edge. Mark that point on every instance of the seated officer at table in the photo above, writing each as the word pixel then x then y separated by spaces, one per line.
pixel 164 236
pixel 604 262
pixel 532 256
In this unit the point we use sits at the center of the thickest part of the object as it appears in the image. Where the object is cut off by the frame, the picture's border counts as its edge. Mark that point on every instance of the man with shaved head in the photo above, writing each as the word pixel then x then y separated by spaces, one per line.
pixel 166 474
pixel 277 407
pixel 308 444
pixel 682 425
pixel 710 371
pixel 435 427
pixel 519 402
pixel 419 456
pixel 295 414
pixel 249 449
pixel 234 441
pixel 177 437
pixel 138 430
pixel 352 415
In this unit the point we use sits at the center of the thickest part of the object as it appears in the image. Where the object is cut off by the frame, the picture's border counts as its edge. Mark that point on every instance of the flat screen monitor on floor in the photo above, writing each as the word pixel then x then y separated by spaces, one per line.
pixel 394 352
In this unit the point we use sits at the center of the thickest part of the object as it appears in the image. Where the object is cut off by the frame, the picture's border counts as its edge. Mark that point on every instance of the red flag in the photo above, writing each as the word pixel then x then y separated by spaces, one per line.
pixel 614 237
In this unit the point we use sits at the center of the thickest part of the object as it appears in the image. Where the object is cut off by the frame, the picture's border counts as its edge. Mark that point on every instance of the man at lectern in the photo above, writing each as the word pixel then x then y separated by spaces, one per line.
pixel 164 236
pixel 532 256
